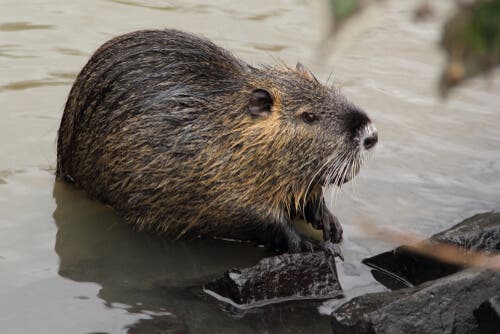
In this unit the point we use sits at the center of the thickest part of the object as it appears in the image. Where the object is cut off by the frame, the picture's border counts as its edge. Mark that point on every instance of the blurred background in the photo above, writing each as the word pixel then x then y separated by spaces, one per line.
pixel 68 265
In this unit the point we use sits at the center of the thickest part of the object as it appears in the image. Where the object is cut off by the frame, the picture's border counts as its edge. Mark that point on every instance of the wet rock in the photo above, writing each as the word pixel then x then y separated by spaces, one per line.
pixel 445 305
pixel 276 279
pixel 402 268
pixel 488 316
pixel 478 233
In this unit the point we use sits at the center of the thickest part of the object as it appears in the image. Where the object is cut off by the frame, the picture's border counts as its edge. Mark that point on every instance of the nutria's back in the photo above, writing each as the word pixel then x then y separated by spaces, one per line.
pixel 177 134
pixel 140 71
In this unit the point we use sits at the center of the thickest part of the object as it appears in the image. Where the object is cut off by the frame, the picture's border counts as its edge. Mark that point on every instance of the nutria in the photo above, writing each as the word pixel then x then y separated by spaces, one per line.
pixel 177 135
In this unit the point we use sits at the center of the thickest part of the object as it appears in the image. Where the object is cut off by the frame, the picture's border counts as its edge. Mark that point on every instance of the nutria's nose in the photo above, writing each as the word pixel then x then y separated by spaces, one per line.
pixel 369 142
pixel 369 136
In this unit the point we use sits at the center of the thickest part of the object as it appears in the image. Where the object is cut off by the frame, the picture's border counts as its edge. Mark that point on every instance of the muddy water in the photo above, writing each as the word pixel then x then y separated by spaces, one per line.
pixel 68 265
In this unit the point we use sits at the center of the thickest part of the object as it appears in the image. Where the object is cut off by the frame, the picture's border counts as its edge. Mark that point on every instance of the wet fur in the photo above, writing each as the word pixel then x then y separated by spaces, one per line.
pixel 156 126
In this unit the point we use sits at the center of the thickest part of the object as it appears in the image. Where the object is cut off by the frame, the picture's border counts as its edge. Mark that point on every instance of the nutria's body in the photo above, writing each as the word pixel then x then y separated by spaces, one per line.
pixel 178 135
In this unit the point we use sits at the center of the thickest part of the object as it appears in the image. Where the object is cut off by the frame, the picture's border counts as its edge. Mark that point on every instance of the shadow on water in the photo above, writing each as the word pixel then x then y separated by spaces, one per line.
pixel 160 279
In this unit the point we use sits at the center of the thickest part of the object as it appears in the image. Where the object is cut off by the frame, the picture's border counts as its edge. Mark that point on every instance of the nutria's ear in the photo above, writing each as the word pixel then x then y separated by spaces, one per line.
pixel 305 71
pixel 260 103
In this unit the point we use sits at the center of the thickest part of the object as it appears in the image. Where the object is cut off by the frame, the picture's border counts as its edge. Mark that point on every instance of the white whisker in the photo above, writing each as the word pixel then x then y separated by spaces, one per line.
pixel 343 174
pixel 354 171
pixel 339 178
pixel 310 183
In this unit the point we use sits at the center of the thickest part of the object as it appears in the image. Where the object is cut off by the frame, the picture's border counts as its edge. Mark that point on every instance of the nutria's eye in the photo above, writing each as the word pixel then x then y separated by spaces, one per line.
pixel 260 103
pixel 309 117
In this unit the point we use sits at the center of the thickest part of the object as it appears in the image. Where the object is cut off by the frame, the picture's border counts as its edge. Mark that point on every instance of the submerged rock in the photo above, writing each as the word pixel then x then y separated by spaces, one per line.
pixel 488 316
pixel 445 305
pixel 280 278
pixel 478 233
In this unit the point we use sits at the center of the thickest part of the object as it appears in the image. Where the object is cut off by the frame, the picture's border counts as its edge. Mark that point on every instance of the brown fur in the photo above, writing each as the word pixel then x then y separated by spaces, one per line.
pixel 157 126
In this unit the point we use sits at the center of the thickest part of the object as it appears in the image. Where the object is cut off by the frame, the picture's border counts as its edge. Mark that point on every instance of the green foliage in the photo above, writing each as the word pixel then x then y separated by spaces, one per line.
pixel 342 10
pixel 471 39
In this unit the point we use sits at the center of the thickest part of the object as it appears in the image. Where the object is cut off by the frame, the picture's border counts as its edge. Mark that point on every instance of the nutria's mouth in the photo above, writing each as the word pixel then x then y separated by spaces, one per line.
pixel 343 167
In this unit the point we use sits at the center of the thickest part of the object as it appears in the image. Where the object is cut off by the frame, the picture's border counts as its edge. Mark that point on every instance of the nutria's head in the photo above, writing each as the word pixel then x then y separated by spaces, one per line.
pixel 294 136
pixel 309 135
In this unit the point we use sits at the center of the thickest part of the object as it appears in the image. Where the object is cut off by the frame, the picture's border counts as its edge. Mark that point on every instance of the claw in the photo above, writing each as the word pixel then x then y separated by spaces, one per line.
pixel 331 252
pixel 333 249
pixel 332 230
pixel 336 230
pixel 321 218
pixel 308 246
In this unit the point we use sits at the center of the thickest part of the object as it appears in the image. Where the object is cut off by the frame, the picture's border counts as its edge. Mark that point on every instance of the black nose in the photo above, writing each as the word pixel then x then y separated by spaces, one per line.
pixel 354 120
pixel 370 141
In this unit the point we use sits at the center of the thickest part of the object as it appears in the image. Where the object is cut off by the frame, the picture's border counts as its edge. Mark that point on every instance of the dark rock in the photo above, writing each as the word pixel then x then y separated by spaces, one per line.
pixel 445 305
pixel 158 325
pixel 488 316
pixel 411 268
pixel 280 278
pixel 478 233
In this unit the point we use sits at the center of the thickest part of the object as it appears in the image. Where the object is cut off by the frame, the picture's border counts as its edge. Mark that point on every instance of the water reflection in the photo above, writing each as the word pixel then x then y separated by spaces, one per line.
pixel 18 26
pixel 159 278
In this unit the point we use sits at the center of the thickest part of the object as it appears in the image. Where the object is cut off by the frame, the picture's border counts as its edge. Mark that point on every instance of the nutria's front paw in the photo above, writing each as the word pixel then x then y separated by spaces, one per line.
pixel 299 244
pixel 332 230
pixel 307 244
pixel 322 219
pixel 333 249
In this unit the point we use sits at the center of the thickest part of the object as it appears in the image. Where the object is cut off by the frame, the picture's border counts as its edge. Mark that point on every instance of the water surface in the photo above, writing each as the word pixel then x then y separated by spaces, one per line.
pixel 68 265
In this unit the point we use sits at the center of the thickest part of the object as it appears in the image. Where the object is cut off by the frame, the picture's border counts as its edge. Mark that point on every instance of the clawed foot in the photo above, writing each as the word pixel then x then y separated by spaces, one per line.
pixel 332 230
pixel 313 245
pixel 332 235
pixel 333 249
pixel 297 243
pixel 322 219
